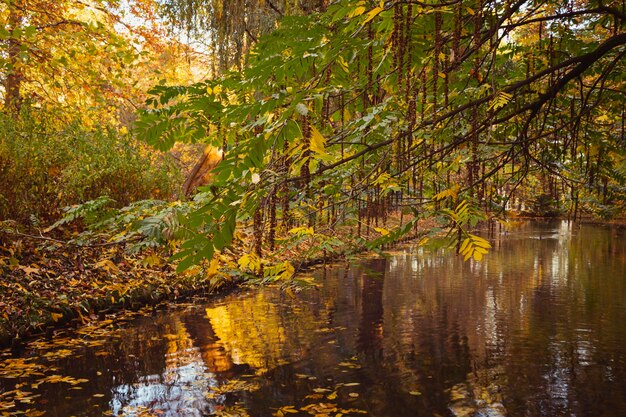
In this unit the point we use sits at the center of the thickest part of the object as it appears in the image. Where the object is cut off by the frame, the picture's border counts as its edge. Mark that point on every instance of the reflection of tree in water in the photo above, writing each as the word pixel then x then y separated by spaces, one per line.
pixel 255 331
pixel 212 351
pixel 401 350
pixel 124 359
pixel 371 324
pixel 179 389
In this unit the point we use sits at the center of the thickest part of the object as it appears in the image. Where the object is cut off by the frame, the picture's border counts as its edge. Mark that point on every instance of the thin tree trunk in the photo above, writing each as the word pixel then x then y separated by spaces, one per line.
pixel 13 80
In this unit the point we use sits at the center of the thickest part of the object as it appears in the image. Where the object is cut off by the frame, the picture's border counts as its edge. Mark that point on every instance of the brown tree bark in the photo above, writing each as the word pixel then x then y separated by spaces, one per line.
pixel 13 80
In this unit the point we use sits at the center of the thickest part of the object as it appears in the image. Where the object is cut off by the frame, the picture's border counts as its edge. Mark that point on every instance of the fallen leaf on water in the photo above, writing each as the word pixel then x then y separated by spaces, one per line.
pixel 320 408
pixel 287 409
pixel 353 411
pixel 350 365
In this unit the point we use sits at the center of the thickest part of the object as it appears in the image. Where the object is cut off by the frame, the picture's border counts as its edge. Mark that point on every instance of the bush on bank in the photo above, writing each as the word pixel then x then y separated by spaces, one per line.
pixel 45 167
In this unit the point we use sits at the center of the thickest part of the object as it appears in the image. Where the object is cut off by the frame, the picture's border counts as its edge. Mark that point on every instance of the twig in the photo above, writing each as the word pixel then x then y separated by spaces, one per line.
pixel 70 243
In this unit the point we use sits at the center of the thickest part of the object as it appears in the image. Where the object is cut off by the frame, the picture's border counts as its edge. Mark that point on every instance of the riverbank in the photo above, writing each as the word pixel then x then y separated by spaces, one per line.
pixel 41 290
pixel 44 289
pixel 619 221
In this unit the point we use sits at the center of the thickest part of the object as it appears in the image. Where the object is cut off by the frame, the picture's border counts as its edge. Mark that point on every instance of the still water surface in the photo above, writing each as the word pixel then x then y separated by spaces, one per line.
pixel 538 328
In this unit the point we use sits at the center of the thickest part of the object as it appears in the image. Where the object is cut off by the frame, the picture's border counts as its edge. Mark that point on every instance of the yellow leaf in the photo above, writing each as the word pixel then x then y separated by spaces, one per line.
pixel 382 231
pixel 152 260
pixel 302 231
pixel 284 410
pixel 56 316
pixel 480 242
pixel 478 256
pixel 250 261
pixel 372 14
pixel 464 245
pixel 288 270
pixel 107 265
pixel 215 263
pixel 342 63
pixel 318 142
pixel 358 11
pixel 462 206
pixel 501 99
pixel 29 270
pixel 450 192
pixel 332 395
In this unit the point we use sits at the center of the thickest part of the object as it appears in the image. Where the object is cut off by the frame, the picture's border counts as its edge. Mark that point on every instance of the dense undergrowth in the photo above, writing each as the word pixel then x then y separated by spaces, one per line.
pixel 45 167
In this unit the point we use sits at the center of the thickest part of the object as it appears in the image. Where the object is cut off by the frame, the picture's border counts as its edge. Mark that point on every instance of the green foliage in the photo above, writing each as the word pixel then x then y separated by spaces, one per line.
pixel 464 215
pixel 91 212
pixel 45 169
pixel 364 110
pixel 545 205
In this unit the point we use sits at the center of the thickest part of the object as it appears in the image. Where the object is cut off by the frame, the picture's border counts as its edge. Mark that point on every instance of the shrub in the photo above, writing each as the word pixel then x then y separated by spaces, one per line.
pixel 44 168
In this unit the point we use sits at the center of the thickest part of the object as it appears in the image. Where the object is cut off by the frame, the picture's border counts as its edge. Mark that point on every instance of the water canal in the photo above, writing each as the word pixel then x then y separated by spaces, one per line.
pixel 538 328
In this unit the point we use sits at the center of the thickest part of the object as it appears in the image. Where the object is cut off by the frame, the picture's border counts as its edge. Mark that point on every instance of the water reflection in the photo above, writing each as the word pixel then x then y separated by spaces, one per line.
pixel 535 329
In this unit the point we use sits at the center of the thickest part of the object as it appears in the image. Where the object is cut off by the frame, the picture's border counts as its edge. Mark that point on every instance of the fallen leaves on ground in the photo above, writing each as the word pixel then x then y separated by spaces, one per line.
pixel 45 287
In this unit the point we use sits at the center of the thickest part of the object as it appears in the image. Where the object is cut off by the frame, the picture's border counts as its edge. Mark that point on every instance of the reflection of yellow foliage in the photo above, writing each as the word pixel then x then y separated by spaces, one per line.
pixel 178 340
pixel 251 331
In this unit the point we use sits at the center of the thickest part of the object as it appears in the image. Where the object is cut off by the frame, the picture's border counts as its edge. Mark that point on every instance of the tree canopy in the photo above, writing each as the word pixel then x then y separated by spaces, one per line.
pixel 447 110
pixel 92 59
pixel 228 28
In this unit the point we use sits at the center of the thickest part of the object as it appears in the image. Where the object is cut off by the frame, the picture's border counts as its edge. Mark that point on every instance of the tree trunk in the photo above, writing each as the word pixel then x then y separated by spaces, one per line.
pixel 13 80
